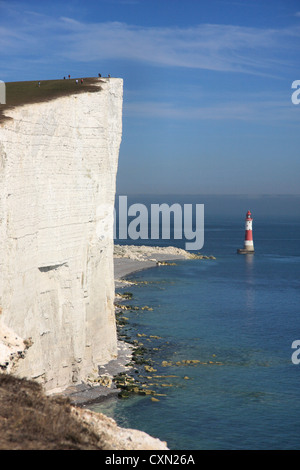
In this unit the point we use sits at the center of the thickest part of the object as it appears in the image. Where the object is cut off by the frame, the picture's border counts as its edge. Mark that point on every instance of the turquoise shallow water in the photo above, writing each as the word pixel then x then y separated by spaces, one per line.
pixel 238 316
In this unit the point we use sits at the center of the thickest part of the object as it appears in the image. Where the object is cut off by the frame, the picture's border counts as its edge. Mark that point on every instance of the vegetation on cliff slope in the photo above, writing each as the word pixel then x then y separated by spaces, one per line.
pixel 29 420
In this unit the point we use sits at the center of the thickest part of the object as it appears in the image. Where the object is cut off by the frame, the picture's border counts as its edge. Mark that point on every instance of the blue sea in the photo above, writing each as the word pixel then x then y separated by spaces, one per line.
pixel 237 317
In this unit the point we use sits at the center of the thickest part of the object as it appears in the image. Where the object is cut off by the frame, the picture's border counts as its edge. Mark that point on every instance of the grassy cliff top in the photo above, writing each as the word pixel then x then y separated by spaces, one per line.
pixel 20 93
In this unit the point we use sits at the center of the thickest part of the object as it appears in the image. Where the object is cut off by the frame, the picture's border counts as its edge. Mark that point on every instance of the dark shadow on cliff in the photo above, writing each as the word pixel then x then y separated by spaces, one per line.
pixel 29 420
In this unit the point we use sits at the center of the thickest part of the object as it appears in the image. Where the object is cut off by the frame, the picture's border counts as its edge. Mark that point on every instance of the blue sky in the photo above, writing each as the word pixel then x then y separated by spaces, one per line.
pixel 207 84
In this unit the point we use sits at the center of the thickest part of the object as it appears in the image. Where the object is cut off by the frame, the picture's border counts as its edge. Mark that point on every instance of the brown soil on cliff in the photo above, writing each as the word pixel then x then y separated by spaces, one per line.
pixel 21 93
pixel 29 420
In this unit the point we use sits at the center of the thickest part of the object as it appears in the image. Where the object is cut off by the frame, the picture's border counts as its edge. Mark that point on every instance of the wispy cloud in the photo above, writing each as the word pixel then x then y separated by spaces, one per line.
pixel 253 108
pixel 211 47
pixel 216 47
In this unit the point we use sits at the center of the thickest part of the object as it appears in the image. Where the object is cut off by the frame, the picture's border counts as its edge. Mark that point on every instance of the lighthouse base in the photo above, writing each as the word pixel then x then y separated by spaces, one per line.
pixel 243 251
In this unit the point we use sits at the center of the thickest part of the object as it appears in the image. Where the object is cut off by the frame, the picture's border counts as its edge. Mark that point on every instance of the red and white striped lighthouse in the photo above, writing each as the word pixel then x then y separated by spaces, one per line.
pixel 248 243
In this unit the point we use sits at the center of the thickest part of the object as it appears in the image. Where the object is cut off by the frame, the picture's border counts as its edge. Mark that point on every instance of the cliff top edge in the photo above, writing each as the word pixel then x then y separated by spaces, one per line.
pixel 29 92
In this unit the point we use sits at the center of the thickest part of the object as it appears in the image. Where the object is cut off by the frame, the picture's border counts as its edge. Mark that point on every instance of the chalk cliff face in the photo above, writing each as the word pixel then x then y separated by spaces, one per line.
pixel 58 164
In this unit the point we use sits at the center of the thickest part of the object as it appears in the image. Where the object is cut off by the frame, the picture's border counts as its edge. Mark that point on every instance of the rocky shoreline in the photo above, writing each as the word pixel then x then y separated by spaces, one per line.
pixel 113 379
pixel 109 380
pixel 116 377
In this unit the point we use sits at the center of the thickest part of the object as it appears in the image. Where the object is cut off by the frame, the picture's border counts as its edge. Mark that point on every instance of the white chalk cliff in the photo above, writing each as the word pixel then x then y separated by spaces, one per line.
pixel 58 165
